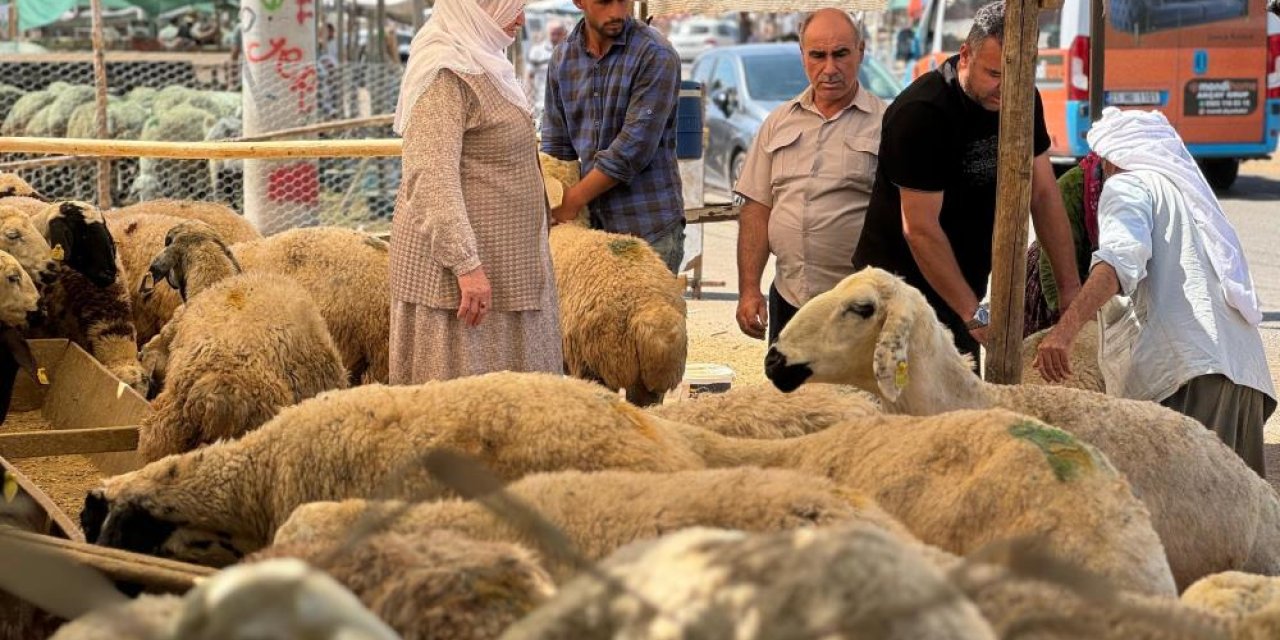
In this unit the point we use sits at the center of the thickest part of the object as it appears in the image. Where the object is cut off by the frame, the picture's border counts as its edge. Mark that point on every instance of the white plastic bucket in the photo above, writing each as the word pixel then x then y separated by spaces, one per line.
pixel 705 377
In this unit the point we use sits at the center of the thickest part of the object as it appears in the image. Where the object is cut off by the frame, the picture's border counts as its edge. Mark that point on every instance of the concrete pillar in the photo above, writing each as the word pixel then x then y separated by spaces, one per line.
pixel 279 85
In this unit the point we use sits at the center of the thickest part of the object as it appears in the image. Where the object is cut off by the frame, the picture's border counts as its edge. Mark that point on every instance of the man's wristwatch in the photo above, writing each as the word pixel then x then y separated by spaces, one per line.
pixel 980 319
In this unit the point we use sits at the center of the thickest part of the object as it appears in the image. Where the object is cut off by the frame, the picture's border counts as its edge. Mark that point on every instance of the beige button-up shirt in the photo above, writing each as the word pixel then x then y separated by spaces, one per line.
pixel 815 175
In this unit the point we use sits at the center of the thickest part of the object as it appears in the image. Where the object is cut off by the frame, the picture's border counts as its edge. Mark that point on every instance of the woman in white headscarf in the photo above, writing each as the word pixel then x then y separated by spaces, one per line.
pixel 471 283
pixel 1189 340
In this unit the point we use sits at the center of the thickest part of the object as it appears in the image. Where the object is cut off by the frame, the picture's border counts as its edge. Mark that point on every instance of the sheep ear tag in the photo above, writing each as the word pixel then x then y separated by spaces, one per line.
pixel 10 487
pixel 900 375
pixel 57 253
pixel 42 376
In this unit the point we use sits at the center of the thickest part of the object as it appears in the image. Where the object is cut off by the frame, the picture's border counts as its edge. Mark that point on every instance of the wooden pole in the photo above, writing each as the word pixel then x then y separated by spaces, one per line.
pixel 13 20
pixel 100 84
pixel 1097 59
pixel 1013 191
pixel 155 574
pixel 205 150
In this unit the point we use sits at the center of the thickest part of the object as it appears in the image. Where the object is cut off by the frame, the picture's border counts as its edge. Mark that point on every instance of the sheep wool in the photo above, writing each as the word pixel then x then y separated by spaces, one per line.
pixel 147 617
pixel 1249 603
pixel 761 411
pixel 622 313
pixel 369 442
pixel 559 175
pixel 1085 373
pixel 605 510
pixel 854 581
pixel 438 585
pixel 12 185
pixel 1212 512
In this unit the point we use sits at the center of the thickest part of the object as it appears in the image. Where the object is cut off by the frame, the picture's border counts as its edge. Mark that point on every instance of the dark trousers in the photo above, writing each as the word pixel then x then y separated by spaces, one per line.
pixel 1235 412
pixel 780 313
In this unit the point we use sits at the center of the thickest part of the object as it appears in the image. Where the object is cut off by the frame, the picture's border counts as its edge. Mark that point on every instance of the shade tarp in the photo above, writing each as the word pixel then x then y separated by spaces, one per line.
pixel 666 7
pixel 33 14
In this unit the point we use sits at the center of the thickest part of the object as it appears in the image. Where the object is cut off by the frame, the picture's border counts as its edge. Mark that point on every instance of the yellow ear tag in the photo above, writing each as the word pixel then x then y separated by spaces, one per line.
pixel 42 376
pixel 57 253
pixel 900 376
pixel 10 487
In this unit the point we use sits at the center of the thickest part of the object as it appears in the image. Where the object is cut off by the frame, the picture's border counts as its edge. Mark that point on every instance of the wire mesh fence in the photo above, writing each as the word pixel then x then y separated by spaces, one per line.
pixel 197 97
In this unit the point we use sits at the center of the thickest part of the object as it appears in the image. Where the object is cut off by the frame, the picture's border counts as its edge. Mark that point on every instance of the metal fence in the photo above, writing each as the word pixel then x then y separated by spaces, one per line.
pixel 195 97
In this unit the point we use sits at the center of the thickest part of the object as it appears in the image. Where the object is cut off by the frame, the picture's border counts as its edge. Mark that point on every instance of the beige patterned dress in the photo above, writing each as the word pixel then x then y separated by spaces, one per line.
pixel 471 195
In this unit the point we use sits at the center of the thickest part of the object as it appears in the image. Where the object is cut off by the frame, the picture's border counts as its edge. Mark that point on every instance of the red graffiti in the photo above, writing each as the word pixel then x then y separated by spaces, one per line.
pixel 303 14
pixel 302 81
pixel 296 182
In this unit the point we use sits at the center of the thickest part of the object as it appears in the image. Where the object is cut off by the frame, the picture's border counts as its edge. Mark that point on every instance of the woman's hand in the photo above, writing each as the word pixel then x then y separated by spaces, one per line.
pixel 476 296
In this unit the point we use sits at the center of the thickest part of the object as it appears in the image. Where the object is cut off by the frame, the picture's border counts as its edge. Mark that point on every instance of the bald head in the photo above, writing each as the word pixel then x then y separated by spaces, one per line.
pixel 831 21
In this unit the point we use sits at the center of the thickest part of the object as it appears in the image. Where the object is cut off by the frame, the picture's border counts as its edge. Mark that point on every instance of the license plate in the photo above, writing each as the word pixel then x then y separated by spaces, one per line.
pixel 1132 98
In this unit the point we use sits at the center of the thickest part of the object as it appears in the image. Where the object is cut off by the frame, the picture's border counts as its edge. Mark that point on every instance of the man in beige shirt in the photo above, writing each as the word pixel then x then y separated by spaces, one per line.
pixel 807 179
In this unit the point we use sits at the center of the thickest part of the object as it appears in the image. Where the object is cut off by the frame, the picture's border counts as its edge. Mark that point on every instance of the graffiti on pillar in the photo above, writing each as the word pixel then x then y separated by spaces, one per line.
pixel 301 79
pixel 303 13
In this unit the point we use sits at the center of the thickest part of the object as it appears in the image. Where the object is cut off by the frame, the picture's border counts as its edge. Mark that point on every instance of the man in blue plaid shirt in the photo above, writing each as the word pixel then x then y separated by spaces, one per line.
pixel 611 96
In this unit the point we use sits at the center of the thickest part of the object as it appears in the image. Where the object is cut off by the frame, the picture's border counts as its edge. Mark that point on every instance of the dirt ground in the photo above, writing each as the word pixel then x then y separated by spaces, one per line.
pixel 66 479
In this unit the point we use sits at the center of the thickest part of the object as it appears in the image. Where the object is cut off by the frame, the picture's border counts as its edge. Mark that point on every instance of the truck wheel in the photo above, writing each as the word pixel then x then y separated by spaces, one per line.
pixel 1220 172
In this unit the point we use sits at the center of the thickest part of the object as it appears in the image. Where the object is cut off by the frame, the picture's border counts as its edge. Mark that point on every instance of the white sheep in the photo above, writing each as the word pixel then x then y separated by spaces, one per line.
pixel 761 411
pixel 19 300
pixel 853 581
pixel 558 175
pixel 1249 603
pixel 242 347
pixel 12 185
pixel 436 584
pixel 602 511
pixel 877 333
pixel 622 313
pixel 368 442
pixel 1085 372
pixel 24 242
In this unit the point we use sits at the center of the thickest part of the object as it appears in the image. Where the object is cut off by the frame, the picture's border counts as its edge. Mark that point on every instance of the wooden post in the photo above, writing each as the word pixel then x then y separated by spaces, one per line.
pixel 1013 191
pixel 1097 60
pixel 13 21
pixel 100 84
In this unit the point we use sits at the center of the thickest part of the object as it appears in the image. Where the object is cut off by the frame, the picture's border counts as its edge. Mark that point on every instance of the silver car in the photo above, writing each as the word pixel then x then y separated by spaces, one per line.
pixel 746 82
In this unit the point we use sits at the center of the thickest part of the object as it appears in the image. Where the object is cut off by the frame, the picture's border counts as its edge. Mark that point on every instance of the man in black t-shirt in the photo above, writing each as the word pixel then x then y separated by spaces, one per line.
pixel 932 209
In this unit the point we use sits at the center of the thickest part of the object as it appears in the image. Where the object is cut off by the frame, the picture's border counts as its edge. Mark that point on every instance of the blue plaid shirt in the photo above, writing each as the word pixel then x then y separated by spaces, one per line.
pixel 618 114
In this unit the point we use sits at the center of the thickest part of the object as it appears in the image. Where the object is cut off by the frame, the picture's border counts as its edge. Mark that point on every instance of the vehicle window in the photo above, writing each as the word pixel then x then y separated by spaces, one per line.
pixel 702 69
pixel 725 75
pixel 775 77
pixel 874 77
pixel 698 30
pixel 724 30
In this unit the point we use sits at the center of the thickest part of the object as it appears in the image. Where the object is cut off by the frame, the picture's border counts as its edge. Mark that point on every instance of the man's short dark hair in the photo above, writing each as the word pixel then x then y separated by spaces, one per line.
pixel 988 22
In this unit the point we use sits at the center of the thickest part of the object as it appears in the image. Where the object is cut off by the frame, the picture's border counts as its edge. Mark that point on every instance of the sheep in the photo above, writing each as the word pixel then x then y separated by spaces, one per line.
pixel 1249 603
pixel 24 242
pixel 879 334
pixel 622 313
pixel 345 271
pixel 559 175
pixel 605 510
pixel 147 617
pixel 947 478
pixel 19 301
pixel 240 348
pixel 160 178
pixel 853 581
pixel 13 186
pixel 760 411
pixel 24 110
pixel 1085 373
pixel 140 237
pixel 366 442
pixel 435 585
pixel 86 302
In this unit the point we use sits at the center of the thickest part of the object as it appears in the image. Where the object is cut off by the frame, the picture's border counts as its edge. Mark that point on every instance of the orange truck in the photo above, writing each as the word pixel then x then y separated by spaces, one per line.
pixel 1210 65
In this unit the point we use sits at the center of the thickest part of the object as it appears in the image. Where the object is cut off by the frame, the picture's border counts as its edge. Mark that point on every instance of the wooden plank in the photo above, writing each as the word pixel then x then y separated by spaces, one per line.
pixel 84 394
pixel 276 150
pixel 61 442
pixel 155 574
pixel 28 395
pixel 1013 191
pixel 47 518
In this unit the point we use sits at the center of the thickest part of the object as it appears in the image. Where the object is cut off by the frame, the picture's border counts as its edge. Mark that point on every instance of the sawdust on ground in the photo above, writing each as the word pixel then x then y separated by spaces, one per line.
pixel 65 479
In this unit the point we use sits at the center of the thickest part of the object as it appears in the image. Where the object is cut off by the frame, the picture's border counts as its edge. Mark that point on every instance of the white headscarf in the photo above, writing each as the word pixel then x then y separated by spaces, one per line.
pixel 466 37
pixel 1144 140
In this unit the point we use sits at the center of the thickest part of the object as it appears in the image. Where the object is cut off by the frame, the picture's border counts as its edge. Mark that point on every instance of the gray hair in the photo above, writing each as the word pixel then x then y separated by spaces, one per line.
pixel 808 18
pixel 988 22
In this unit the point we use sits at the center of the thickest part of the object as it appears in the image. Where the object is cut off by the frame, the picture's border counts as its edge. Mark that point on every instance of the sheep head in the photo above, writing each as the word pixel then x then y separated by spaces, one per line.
pixel 859 333
pixel 78 234
pixel 13 185
pixel 166 509
pixel 20 298
pixel 20 238
pixel 194 257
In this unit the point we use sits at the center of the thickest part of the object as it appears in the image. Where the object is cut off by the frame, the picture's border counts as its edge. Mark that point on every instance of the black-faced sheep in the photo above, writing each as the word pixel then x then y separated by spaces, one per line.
pixel 761 411
pixel 241 348
pixel 877 333
pixel 368 442
pixel 602 511
pixel 852 581
pixel 435 585
pixel 622 313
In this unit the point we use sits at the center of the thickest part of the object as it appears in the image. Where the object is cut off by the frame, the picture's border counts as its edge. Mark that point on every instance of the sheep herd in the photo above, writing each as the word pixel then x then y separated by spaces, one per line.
pixel 881 490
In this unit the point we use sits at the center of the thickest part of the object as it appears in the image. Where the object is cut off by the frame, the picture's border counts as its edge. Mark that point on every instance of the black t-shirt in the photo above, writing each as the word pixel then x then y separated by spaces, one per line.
pixel 936 138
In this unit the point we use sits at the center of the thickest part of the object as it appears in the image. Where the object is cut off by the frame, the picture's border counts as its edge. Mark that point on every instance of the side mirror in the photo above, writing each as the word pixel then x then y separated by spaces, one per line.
pixel 726 99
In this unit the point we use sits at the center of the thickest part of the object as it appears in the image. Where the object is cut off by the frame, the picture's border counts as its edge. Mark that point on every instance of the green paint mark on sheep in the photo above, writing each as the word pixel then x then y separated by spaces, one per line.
pixel 626 248
pixel 1066 455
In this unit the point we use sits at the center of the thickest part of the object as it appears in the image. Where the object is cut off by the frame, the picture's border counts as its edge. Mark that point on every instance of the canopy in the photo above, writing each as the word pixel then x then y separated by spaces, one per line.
pixel 665 7
pixel 33 14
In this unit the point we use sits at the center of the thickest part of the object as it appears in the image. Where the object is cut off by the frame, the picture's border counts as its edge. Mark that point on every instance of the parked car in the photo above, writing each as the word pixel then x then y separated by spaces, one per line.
pixel 693 36
pixel 744 84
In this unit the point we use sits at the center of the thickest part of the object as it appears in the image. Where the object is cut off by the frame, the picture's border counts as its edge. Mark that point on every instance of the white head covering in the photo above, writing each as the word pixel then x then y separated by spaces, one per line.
pixel 466 37
pixel 1144 140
